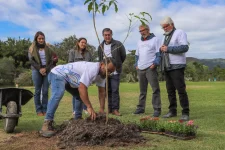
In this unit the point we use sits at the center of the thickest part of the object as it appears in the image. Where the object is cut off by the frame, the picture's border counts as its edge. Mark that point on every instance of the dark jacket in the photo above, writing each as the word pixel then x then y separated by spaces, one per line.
pixel 35 60
pixel 75 55
pixel 118 54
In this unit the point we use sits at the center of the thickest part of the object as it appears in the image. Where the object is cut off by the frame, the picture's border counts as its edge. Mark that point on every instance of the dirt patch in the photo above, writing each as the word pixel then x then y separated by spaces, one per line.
pixel 31 140
pixel 89 133
pixel 79 135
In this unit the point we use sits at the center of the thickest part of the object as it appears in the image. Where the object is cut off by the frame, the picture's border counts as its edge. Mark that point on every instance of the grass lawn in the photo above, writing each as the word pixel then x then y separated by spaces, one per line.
pixel 207 109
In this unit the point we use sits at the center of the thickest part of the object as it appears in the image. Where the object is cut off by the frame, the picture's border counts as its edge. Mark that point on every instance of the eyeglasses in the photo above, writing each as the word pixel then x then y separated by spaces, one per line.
pixel 166 26
pixel 142 30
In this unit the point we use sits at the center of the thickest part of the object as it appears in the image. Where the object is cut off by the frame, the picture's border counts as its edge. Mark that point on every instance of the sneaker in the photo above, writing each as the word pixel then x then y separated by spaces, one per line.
pixel 138 112
pixel 73 114
pixel 47 129
pixel 184 117
pixel 85 111
pixel 169 115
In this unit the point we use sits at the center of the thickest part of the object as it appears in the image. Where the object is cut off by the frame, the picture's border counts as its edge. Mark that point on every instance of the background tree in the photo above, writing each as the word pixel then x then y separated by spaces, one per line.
pixel 129 73
pixel 7 71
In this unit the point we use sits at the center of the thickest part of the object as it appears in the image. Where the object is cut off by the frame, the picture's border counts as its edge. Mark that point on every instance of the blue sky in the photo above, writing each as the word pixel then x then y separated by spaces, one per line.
pixel 202 20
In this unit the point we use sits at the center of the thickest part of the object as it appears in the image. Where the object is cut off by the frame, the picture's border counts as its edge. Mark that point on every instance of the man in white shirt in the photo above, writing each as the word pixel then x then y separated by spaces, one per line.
pixel 173 49
pixel 79 76
pixel 147 59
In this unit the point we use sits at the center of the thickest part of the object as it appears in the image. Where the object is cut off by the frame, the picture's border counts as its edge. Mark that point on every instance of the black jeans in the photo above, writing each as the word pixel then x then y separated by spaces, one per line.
pixel 175 81
pixel 113 92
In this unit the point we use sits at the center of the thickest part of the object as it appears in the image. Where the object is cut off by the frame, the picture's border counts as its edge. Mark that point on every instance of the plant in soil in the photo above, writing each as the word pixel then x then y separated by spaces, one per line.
pixel 172 127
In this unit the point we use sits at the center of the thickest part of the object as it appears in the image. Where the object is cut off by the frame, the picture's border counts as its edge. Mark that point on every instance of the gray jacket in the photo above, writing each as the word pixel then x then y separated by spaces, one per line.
pixel 118 54
pixel 75 55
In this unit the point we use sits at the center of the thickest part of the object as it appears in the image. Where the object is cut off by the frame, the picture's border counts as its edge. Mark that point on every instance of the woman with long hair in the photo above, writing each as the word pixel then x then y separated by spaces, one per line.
pixel 79 53
pixel 41 60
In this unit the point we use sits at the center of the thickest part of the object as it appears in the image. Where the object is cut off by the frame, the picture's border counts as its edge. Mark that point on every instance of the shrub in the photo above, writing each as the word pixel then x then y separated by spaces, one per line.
pixel 24 78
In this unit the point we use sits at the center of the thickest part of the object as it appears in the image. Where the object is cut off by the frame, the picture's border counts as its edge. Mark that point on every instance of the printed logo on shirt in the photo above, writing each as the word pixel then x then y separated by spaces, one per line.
pixel 70 76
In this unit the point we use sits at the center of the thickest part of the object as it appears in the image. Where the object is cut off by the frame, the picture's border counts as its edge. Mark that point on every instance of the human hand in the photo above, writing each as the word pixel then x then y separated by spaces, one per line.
pixel 92 113
pixel 152 66
pixel 101 111
pixel 43 71
pixel 163 48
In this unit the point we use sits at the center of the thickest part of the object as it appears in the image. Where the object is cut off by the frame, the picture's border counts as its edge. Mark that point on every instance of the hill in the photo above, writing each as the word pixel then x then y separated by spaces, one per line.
pixel 211 63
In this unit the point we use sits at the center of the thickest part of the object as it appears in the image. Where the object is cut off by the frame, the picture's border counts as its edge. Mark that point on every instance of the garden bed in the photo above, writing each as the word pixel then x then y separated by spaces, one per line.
pixel 175 129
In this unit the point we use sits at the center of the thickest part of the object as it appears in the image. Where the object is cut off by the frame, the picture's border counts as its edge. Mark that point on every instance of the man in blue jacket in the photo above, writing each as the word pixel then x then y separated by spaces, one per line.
pixel 147 59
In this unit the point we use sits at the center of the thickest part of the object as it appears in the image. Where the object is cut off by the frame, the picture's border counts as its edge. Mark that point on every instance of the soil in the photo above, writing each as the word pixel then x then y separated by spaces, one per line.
pixel 89 133
pixel 78 134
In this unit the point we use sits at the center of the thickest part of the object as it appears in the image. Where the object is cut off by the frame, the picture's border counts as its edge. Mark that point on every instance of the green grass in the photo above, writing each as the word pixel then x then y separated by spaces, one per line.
pixel 207 107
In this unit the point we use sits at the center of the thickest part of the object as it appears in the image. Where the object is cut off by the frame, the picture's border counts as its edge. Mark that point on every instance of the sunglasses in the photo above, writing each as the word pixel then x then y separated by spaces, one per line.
pixel 142 30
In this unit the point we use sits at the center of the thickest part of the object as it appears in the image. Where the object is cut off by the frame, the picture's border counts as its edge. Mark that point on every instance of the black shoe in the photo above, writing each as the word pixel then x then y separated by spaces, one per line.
pixel 184 117
pixel 156 114
pixel 169 115
pixel 138 111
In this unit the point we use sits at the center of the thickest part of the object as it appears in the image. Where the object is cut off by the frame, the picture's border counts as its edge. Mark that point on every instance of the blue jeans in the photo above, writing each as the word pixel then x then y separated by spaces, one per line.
pixel 77 106
pixel 58 87
pixel 77 102
pixel 41 87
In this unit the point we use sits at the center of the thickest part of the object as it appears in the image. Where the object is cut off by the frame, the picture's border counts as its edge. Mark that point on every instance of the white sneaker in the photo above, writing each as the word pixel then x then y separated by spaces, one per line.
pixel 73 114
pixel 85 111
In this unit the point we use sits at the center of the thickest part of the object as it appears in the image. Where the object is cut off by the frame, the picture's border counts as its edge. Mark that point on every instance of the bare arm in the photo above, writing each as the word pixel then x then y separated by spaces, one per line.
pixel 84 97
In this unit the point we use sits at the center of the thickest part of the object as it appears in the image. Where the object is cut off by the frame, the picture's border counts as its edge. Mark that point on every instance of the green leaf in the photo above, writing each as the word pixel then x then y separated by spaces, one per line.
pixel 103 9
pixel 90 6
pixel 116 8
pixel 142 22
pixel 148 15
pixel 144 19
pixel 101 4
pixel 137 17
pixel 107 7
pixel 86 2
pixel 110 3
pixel 96 7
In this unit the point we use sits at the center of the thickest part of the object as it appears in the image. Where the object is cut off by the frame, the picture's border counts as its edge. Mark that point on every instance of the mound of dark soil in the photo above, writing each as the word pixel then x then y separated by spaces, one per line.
pixel 88 133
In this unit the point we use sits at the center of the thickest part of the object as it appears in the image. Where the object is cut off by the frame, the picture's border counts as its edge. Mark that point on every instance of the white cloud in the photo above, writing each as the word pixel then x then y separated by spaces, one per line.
pixel 204 23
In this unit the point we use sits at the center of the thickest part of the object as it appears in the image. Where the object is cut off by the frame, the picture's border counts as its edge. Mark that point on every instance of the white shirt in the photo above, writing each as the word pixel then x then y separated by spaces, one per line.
pixel 42 57
pixel 146 50
pixel 179 38
pixel 107 51
pixel 80 72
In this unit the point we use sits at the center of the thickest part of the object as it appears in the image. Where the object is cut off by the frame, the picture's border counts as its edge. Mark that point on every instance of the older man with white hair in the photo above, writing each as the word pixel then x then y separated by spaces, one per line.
pixel 173 49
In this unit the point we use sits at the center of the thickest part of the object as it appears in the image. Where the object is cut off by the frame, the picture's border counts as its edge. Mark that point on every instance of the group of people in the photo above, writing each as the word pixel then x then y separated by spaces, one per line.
pixel 80 72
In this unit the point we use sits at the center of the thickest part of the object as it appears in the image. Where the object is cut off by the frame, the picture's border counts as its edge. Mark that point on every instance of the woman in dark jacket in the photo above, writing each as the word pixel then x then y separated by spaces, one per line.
pixel 79 53
pixel 41 60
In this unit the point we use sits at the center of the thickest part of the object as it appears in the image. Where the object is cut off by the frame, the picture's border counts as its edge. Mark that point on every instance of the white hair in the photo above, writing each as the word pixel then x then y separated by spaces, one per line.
pixel 166 20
